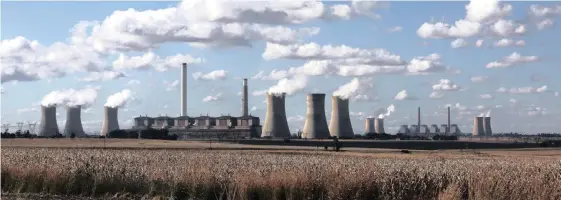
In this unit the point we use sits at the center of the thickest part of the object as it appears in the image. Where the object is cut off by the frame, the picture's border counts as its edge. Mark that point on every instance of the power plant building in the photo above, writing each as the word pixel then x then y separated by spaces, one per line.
pixel 403 129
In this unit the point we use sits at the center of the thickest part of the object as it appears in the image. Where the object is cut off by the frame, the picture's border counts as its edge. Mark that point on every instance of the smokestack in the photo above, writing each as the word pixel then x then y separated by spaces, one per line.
pixel 110 121
pixel 184 90
pixel 275 120
pixel 73 122
pixel 478 126
pixel 340 124
pixel 487 126
pixel 418 119
pixel 448 129
pixel 244 98
pixel 369 126
pixel 379 125
pixel 48 126
pixel 316 124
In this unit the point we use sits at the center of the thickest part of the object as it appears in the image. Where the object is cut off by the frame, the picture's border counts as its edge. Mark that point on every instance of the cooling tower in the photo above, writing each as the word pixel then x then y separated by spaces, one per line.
pixel 110 122
pixel 369 126
pixel 487 126
pixel 74 122
pixel 48 126
pixel 183 90
pixel 379 125
pixel 275 120
pixel 340 124
pixel 315 125
pixel 244 98
pixel 478 127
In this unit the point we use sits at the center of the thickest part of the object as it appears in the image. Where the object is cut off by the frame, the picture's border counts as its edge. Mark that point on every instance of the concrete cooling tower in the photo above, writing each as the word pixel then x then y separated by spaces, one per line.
pixel 110 120
pixel 379 125
pixel 340 124
pixel 74 122
pixel 369 126
pixel 48 126
pixel 315 125
pixel 487 126
pixel 275 124
pixel 478 126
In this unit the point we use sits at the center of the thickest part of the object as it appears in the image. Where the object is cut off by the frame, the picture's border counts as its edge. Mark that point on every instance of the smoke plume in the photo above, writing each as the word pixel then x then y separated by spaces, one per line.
pixel 119 99
pixel 387 112
pixel 289 86
pixel 70 97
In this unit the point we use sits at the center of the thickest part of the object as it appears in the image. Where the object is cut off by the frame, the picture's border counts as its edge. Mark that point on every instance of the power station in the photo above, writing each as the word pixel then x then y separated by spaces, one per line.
pixel 48 126
pixel 276 124
pixel 340 125
pixel 430 130
pixel 110 120
pixel 315 125
pixel 73 123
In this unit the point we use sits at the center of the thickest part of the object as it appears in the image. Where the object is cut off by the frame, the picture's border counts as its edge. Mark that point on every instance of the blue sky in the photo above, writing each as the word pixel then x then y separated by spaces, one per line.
pixel 426 55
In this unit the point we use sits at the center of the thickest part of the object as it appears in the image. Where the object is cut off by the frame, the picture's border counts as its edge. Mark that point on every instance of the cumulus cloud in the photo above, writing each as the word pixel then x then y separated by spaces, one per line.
pixel 214 75
pixel 296 118
pixel 459 43
pixel 356 89
pixel 544 24
pixel 479 79
pixel 403 95
pixel 486 96
pixel 436 95
pixel 508 42
pixel 446 85
pixel 151 60
pixel 506 28
pixel 212 98
pixel 523 90
pixel 544 11
pixel 479 43
pixel 426 65
pixel 395 29
pixel 512 60
pixel 103 76
pixel 310 68
pixel 133 82
pixel 70 97
pixel 119 99
pixel 171 85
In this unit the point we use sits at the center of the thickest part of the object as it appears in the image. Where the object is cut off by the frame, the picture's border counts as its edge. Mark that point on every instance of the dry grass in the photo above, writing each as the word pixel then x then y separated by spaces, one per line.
pixel 204 174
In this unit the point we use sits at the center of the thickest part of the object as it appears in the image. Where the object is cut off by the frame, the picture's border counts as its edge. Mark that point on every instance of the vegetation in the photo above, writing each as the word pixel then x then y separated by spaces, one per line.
pixel 200 174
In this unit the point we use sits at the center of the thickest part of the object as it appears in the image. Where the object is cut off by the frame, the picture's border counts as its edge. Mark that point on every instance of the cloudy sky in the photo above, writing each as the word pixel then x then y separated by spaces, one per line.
pixel 501 59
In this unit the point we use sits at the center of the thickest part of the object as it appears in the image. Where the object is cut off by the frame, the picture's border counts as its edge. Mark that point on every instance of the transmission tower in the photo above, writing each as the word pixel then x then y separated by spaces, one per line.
pixel 20 126
pixel 6 127
pixel 32 126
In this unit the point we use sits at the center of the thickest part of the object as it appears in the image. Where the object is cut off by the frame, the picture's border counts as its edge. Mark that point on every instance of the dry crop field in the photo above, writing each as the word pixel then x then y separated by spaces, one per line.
pixel 280 174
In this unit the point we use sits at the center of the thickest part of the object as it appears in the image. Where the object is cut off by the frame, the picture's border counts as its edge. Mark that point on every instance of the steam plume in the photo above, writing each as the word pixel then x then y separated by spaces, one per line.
pixel 289 86
pixel 388 111
pixel 347 90
pixel 70 97
pixel 119 99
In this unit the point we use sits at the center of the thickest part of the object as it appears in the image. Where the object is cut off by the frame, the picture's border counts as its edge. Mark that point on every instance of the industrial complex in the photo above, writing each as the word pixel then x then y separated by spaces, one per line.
pixel 275 124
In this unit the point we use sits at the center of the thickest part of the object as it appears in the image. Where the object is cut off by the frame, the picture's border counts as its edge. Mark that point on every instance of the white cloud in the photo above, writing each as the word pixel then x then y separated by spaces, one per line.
pixel 486 96
pixel 479 43
pixel 461 29
pixel 212 98
pixel 26 110
pixel 543 11
pixel 403 95
pixel 511 60
pixel 459 43
pixel 171 85
pixel 296 118
pixel 488 10
pixel 536 111
pixel 436 95
pixel 427 64
pixel 149 60
pixel 556 94
pixel 310 68
pixel 479 79
pixel 214 75
pixel 446 85
pixel 508 42
pixel 103 76
pixel 506 28
pixel 70 97
pixel 544 24
pixel 523 90
pixel 395 29
pixel 133 82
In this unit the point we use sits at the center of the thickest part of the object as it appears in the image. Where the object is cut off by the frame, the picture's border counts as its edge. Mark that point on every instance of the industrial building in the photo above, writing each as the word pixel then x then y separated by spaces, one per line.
pixel 340 125
pixel 48 126
pixel 226 126
pixel 482 126
pixel 428 131
pixel 73 123
pixel 315 125
pixel 276 124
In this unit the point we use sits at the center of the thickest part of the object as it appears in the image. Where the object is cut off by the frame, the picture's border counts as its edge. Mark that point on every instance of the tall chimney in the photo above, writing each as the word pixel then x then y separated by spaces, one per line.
pixel 184 90
pixel 110 120
pixel 418 119
pixel 73 122
pixel 448 128
pixel 315 125
pixel 275 124
pixel 340 124
pixel 244 98
pixel 48 126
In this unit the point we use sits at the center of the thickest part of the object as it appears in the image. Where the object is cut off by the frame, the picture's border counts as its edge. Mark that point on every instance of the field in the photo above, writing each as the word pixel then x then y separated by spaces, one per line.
pixel 133 169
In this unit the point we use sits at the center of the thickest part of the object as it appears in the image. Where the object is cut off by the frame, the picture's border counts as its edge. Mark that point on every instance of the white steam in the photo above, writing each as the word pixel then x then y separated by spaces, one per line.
pixel 70 97
pixel 347 90
pixel 119 99
pixel 289 86
pixel 485 114
pixel 388 111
